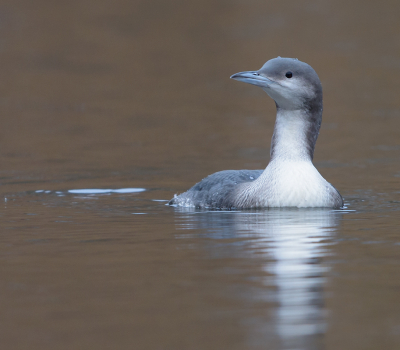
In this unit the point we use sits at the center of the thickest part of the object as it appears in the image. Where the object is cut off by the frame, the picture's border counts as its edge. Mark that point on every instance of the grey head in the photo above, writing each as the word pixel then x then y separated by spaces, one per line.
pixel 293 85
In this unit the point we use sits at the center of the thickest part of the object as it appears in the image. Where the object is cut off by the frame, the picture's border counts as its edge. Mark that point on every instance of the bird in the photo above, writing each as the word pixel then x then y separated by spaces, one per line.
pixel 290 178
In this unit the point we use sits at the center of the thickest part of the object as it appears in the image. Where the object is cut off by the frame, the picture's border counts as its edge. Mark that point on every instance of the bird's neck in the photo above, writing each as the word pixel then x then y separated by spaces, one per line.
pixel 295 134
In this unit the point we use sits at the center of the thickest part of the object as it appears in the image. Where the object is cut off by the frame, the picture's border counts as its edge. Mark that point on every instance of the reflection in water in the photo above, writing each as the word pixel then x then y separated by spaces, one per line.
pixel 292 243
pixel 90 191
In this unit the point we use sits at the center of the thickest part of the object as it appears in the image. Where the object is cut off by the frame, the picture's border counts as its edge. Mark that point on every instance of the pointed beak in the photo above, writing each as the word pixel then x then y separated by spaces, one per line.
pixel 254 78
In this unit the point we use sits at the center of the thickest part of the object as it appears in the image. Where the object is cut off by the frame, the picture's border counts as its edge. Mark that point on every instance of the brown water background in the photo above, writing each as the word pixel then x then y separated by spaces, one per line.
pixel 136 94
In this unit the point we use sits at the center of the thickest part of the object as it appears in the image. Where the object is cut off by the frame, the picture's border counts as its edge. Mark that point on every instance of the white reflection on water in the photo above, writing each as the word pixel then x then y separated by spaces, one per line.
pixel 296 241
pixel 94 191
pixel 102 191
pixel 292 244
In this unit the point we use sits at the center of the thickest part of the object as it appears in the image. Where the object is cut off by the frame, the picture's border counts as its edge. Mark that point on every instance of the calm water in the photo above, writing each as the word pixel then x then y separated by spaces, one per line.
pixel 133 98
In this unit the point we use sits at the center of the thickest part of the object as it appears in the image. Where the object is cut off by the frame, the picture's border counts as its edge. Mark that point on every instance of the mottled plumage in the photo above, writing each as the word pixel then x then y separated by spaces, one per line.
pixel 216 190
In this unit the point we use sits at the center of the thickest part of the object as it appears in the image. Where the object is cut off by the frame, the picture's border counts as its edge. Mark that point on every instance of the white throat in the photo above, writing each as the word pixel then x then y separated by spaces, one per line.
pixel 292 139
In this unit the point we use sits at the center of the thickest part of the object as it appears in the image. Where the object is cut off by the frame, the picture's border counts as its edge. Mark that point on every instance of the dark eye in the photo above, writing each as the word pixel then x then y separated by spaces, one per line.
pixel 289 74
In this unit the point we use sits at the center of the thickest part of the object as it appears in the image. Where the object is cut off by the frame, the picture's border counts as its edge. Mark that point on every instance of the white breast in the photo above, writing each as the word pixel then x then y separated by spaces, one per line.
pixel 290 184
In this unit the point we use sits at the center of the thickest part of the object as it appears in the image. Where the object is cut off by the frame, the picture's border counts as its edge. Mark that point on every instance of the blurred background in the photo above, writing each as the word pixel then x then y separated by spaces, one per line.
pixel 136 94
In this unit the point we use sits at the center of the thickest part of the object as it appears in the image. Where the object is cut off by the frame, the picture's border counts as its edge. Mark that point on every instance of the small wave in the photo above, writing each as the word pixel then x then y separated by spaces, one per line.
pixel 100 191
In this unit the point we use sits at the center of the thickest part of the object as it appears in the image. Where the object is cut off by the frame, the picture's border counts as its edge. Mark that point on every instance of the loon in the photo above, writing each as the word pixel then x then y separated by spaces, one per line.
pixel 290 179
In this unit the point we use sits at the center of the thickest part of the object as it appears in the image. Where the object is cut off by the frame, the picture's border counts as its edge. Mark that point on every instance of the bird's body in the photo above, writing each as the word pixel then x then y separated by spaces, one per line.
pixel 290 179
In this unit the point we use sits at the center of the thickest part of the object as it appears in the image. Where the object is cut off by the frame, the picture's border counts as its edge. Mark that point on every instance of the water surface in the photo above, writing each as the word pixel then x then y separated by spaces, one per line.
pixel 108 109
